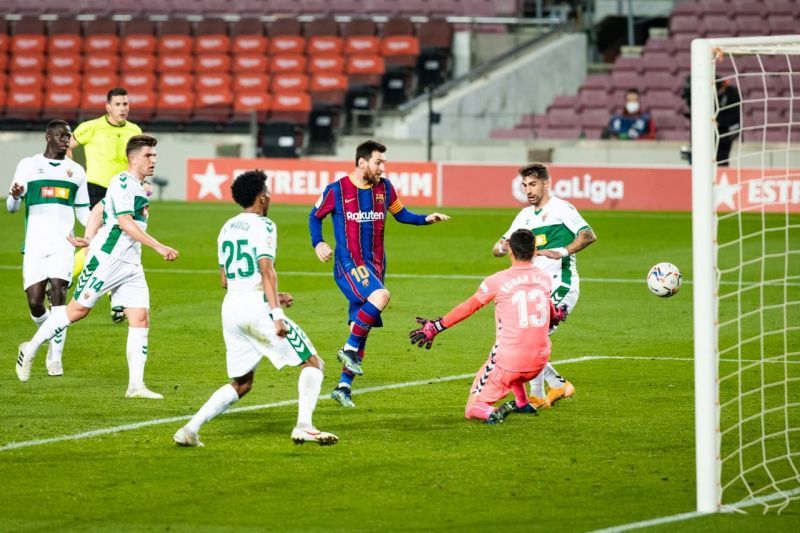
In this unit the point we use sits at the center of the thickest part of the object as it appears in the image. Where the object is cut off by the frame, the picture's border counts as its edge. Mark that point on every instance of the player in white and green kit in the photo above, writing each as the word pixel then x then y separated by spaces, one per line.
pixel 114 265
pixel 54 190
pixel 561 232
pixel 253 323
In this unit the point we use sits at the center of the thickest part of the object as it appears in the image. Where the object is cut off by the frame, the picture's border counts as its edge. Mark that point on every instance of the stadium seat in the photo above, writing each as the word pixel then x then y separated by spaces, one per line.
pixel 246 104
pixel 287 63
pixel 381 7
pixel 323 26
pixel 325 63
pixel 324 44
pixel 213 106
pixel 359 28
pixel 328 89
pixel 751 25
pixel 284 26
pixel 212 63
pixel 250 64
pixel 248 83
pixel 63 63
pixel 397 26
pixel 718 25
pixel 138 81
pixel 138 37
pixel 659 62
pixel 101 81
pixel 400 50
pixel 656 44
pixel 248 37
pixel 215 81
pixel 282 139
pixel 288 82
pixel 64 80
pixel 101 37
pixel 28 37
pixel 292 107
pixel 23 105
pixel 143 105
pixel 365 70
pixel 65 37
pixel 63 104
pixel 4 42
pixel 93 102
pixel 175 37
pixel 286 44
pixel 566 101
pixel 285 7
pixel 174 106
pixel 629 64
pixel 211 37
pixel 175 81
pixel 25 81
pixel 362 45
pixel 181 62
pixel 21 62
pixel 138 63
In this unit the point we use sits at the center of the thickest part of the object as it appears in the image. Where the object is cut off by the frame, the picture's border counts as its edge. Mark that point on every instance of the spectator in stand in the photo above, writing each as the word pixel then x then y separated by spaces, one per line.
pixel 728 100
pixel 632 123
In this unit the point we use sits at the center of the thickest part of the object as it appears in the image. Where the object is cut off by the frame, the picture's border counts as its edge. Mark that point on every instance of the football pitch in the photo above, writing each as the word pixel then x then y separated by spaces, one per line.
pixel 76 455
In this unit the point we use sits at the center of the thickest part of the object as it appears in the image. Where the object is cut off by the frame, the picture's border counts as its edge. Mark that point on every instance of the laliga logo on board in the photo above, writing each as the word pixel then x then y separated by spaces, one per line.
pixel 597 191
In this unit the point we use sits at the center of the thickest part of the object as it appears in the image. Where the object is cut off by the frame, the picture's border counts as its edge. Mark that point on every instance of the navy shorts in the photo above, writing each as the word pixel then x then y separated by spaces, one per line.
pixel 357 284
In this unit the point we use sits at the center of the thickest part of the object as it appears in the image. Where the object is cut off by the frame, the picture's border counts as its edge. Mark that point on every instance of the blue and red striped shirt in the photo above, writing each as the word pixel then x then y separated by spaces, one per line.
pixel 359 219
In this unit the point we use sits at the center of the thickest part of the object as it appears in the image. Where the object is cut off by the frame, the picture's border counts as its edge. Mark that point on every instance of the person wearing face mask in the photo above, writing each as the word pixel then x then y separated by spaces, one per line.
pixel 632 123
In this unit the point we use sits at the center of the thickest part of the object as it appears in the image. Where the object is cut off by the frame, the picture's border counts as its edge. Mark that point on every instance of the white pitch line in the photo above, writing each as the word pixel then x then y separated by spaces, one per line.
pixel 751 502
pixel 392 386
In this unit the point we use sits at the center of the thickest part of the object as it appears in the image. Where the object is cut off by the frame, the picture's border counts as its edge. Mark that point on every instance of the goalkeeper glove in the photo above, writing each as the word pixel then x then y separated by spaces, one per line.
pixel 424 336
pixel 560 315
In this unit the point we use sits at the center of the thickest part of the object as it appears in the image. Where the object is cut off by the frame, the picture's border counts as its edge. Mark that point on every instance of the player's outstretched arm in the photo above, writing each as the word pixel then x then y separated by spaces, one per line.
pixel 129 226
pixel 430 328
pixel 434 218
pixel 583 239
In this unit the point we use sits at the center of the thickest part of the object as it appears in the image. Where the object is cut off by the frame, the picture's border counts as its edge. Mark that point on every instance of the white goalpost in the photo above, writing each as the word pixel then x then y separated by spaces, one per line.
pixel 746 271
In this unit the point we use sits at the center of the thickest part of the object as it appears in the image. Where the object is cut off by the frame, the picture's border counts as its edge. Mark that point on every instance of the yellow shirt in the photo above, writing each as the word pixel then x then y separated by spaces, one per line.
pixel 105 148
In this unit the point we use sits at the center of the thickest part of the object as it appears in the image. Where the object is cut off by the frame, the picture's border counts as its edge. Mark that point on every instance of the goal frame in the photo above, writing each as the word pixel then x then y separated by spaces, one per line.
pixel 708 463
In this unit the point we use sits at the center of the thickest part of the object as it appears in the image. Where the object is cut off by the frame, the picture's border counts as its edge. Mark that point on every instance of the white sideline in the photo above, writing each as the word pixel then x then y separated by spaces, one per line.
pixel 158 421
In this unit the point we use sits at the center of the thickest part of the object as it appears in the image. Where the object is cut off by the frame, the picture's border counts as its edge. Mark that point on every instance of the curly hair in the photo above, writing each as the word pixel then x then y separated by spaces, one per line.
pixel 247 186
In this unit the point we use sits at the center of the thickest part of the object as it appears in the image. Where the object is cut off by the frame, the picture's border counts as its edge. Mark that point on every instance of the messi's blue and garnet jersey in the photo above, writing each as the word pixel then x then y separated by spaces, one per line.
pixel 359 219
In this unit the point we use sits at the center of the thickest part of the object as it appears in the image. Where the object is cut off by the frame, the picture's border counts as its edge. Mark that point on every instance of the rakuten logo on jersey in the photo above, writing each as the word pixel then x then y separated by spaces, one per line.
pixel 597 191
pixel 362 216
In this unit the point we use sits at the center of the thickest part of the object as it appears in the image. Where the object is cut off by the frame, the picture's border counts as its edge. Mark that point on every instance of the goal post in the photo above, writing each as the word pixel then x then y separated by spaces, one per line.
pixel 746 273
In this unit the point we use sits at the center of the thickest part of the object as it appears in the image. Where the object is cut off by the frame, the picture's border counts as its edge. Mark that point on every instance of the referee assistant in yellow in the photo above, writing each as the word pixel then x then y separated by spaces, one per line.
pixel 104 140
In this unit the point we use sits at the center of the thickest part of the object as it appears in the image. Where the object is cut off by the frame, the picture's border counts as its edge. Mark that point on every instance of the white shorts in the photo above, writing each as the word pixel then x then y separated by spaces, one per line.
pixel 103 273
pixel 36 269
pixel 250 335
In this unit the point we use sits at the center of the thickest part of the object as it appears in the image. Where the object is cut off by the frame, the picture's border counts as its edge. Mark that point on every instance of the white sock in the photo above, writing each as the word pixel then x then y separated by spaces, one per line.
pixel 308 385
pixel 554 379
pixel 136 351
pixel 39 320
pixel 57 346
pixel 537 385
pixel 348 346
pixel 222 398
pixel 57 321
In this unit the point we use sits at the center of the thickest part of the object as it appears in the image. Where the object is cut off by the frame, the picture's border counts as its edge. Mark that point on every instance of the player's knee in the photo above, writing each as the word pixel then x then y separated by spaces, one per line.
pixel 76 311
pixel 380 298
pixel 314 361
pixel 37 308
pixel 244 384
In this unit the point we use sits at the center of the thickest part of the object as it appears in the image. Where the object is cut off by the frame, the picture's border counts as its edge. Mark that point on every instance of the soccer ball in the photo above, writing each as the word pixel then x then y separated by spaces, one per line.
pixel 664 280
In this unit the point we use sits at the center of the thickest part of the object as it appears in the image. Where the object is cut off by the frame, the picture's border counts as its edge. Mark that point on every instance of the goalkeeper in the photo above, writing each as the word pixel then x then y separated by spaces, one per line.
pixel 523 314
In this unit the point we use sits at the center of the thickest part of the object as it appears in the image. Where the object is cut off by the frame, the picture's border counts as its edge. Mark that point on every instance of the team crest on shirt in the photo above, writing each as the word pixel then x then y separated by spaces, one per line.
pixel 379 198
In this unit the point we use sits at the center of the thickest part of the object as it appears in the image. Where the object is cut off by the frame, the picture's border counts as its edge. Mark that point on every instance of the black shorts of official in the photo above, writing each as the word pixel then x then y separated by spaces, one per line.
pixel 96 193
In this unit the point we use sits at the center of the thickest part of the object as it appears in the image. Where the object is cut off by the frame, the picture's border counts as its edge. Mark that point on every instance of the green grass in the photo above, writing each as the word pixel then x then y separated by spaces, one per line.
pixel 622 450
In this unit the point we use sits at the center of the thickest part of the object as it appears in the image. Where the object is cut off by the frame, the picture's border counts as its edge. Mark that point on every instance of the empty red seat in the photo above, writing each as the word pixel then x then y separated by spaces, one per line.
pixel 250 63
pixel 63 103
pixel 138 81
pixel 211 37
pixel 174 106
pixel 64 43
pixel 64 80
pixel 100 81
pixel 3 46
pixel 400 50
pixel 24 105
pixel 27 62
pixel 64 63
pixel 324 44
pixel 328 88
pixel 212 63
pixel 247 103
pixel 143 104
pixel 291 107
pixel 175 44
pixel 138 62
pixel 214 81
pixel 248 83
pixel 174 63
pixel 28 44
pixel 94 101
pixel 325 63
pixel 100 62
pixel 290 82
pixel 139 44
pixel 365 70
pixel 286 44
pixel 249 44
pixel 101 37
pixel 213 106
pixel 175 81
pixel 362 45
pixel 288 63
pixel 25 81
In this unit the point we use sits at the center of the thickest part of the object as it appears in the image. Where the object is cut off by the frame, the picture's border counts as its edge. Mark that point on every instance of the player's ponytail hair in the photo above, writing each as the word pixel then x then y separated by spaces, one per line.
pixel 138 142
pixel 536 170
pixel 523 244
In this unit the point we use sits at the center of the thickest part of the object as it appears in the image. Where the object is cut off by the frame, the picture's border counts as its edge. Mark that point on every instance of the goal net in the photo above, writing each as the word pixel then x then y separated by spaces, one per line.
pixel 746 258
